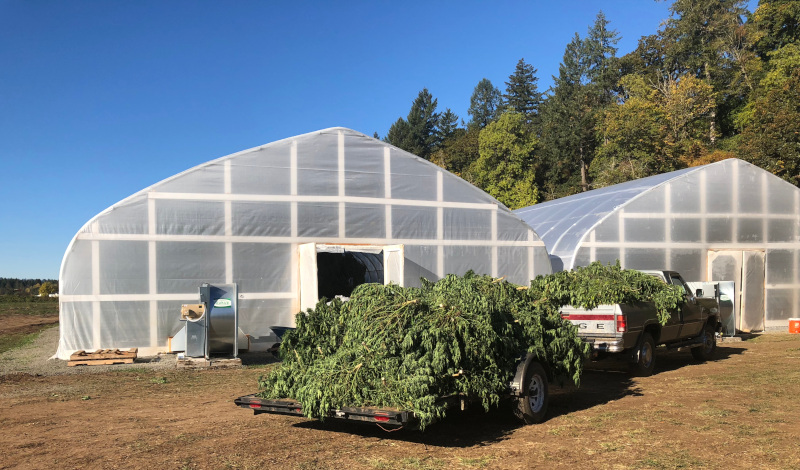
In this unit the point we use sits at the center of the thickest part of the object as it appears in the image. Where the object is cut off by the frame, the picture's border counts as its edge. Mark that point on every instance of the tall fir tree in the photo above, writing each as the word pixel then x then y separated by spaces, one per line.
pixel 484 104
pixel 522 92
pixel 586 79
pixel 418 133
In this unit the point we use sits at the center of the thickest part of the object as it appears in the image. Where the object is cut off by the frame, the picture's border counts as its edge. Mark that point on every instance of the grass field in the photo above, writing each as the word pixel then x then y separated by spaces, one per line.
pixel 15 305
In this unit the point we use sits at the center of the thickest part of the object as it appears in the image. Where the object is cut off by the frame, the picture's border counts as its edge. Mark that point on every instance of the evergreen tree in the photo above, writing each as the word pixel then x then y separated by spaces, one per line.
pixel 522 93
pixel 584 86
pixel 418 133
pixel 484 104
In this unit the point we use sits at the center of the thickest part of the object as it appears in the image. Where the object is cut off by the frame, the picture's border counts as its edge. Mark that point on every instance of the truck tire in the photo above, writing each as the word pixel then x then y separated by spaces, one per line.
pixel 644 357
pixel 706 351
pixel 532 405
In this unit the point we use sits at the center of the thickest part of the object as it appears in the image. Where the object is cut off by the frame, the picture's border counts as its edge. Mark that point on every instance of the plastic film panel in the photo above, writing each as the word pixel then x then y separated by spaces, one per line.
pixel 689 263
pixel 77 269
pixel 263 171
pixel 256 316
pixel 750 192
pixel 685 230
pixel 780 265
pixel 125 324
pixel 458 190
pixel 169 316
pixel 318 165
pixel 780 197
pixel 118 273
pixel 781 230
pixel 183 266
pixel 750 230
pixel 365 221
pixel 683 196
pixel 261 219
pixel 412 178
pixel 780 307
pixel 263 267
pixel 510 267
pixel 206 179
pixel 644 230
pixel 420 262
pixel 637 258
pixel 467 224
pixel 460 259
pixel 130 217
pixel 190 217
pixel 75 325
pixel 414 222
pixel 510 228
pixel 719 230
pixel 364 172
pixel 608 230
pixel 318 219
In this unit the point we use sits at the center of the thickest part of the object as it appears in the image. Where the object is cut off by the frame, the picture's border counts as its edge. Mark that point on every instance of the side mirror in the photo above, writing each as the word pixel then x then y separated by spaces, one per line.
pixel 698 293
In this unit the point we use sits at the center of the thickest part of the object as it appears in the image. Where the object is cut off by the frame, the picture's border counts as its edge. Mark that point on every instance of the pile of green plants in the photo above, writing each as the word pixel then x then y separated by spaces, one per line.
pixel 404 348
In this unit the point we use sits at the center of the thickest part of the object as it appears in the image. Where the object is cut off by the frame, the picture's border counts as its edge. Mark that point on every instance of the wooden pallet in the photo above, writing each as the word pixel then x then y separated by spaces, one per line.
pixel 102 357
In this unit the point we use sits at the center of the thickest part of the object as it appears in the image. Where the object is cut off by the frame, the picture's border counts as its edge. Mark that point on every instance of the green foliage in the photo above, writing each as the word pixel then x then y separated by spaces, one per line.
pixel 405 348
pixel 47 288
pixel 505 168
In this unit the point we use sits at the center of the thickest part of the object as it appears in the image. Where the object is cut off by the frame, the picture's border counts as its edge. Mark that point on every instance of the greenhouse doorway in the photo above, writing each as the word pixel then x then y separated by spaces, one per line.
pixel 746 268
pixel 329 270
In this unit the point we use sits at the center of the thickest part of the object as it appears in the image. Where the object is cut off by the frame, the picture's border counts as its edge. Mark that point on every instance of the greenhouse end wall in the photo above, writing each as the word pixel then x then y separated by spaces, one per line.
pixel 242 218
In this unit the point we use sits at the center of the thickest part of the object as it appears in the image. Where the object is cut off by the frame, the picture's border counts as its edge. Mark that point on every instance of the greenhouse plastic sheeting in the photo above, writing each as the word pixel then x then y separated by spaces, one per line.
pixel 242 218
pixel 681 221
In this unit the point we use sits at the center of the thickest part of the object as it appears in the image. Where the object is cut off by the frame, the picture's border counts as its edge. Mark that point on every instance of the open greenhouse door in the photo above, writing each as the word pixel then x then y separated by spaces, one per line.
pixel 746 270
pixel 329 270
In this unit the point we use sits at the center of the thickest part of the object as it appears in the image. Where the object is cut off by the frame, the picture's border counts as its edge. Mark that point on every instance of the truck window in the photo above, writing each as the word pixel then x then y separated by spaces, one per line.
pixel 678 282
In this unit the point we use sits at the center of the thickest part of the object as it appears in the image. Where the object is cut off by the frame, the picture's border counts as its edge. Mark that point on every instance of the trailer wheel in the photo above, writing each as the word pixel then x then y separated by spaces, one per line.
pixel 706 351
pixel 532 405
pixel 644 357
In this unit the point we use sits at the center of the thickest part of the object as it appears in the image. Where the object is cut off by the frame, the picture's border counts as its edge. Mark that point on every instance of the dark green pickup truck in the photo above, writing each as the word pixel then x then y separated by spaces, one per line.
pixel 633 330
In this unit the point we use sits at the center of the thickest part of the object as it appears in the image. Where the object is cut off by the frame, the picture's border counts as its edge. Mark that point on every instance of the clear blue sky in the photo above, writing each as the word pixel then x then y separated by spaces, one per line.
pixel 100 99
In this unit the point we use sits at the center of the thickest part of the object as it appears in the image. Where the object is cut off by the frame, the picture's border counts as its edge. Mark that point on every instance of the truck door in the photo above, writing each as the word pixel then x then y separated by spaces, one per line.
pixel 692 313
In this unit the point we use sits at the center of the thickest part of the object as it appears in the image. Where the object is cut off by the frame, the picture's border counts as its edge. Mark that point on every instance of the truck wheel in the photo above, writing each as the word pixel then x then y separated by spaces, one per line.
pixel 532 405
pixel 706 351
pixel 644 357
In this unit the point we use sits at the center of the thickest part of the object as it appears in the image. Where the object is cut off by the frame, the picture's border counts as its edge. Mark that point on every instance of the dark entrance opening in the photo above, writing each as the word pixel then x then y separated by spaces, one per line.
pixel 340 273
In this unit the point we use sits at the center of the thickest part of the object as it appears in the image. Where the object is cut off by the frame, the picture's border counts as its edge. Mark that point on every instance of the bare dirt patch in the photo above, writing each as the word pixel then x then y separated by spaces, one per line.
pixel 734 412
pixel 25 324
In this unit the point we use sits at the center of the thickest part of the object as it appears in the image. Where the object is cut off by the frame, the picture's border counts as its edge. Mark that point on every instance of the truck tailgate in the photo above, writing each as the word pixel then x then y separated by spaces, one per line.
pixel 600 321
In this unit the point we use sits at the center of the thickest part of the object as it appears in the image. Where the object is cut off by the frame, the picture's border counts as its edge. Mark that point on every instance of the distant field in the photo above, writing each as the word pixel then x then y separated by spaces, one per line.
pixel 16 305
pixel 23 318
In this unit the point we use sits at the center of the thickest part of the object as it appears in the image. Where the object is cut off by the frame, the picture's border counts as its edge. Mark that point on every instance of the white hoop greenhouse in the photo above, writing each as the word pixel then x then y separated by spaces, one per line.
pixel 262 219
pixel 726 221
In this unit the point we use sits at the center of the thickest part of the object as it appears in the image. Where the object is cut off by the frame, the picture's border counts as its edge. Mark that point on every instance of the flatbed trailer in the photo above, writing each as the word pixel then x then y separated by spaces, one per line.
pixel 529 387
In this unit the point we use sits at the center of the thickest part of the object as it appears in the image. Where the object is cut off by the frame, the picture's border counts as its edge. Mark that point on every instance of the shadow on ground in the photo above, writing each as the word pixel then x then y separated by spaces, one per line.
pixel 601 383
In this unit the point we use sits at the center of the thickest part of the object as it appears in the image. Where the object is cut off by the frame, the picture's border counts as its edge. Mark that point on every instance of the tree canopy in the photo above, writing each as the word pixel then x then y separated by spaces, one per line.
pixel 715 81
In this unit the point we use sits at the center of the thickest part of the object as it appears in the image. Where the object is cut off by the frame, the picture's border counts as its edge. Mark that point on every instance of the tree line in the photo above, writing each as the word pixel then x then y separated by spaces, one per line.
pixel 715 81
pixel 24 287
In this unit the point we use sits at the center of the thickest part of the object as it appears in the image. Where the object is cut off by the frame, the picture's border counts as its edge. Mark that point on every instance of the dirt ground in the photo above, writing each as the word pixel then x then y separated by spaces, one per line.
pixel 23 324
pixel 739 411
